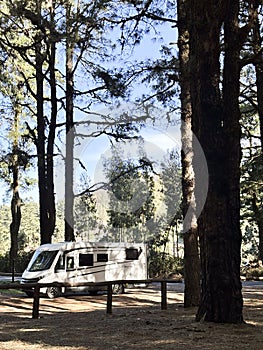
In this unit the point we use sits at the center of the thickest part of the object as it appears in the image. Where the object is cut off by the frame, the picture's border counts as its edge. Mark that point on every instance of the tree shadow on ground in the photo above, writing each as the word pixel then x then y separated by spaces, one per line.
pixel 137 322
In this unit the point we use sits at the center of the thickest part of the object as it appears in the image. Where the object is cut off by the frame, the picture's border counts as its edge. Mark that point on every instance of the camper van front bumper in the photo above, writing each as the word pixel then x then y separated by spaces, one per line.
pixel 29 291
pixel 31 280
pixel 26 281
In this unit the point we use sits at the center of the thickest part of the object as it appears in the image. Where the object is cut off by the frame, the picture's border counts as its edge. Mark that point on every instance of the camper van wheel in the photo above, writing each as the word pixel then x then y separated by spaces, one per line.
pixel 53 292
pixel 117 288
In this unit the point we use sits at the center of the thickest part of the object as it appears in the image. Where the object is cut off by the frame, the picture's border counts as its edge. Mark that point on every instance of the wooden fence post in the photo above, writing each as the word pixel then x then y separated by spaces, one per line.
pixel 164 295
pixel 35 312
pixel 13 270
pixel 109 299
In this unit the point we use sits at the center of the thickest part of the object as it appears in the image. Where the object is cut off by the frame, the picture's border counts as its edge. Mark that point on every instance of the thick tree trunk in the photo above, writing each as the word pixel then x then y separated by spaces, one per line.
pixel 259 75
pixel 52 130
pixel 69 164
pixel 45 161
pixel 260 235
pixel 221 299
pixel 15 224
pixel 259 84
pixel 191 252
pixel 232 136
pixel 44 234
pixel 45 180
pixel 257 209
pixel 16 201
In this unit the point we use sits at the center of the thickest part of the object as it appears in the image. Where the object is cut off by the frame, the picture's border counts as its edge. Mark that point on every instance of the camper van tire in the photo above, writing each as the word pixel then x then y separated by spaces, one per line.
pixel 30 294
pixel 118 288
pixel 53 292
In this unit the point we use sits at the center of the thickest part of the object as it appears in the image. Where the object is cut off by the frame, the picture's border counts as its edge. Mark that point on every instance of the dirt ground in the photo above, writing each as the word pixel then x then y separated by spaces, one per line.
pixel 137 322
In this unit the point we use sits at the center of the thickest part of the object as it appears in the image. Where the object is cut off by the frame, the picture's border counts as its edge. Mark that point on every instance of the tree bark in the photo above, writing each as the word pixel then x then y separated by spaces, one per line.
pixel 16 201
pixel 221 298
pixel 232 137
pixel 259 84
pixel 52 125
pixel 45 159
pixel 45 234
pixel 69 164
pixel 257 209
pixel 191 252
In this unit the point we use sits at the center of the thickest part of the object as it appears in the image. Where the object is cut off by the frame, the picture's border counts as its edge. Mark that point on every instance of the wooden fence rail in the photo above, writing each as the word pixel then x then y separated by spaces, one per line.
pixel 37 286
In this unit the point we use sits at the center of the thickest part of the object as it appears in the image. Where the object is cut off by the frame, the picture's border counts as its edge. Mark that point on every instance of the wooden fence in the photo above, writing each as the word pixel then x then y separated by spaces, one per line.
pixel 37 286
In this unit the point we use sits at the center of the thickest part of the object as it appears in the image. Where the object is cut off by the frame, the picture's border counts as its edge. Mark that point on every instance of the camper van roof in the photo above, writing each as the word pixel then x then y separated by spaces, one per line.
pixel 72 245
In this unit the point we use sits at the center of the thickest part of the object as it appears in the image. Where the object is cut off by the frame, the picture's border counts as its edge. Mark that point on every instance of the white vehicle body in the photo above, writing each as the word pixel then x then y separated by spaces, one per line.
pixel 78 262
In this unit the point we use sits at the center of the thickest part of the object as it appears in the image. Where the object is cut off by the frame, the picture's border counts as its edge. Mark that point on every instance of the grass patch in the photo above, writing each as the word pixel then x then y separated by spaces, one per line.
pixel 10 292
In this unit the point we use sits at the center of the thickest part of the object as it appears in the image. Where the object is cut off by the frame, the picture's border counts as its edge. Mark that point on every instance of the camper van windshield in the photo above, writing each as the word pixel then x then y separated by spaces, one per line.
pixel 43 260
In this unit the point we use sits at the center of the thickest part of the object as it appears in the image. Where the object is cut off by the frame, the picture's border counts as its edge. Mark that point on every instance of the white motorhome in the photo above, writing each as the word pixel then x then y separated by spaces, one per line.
pixel 77 262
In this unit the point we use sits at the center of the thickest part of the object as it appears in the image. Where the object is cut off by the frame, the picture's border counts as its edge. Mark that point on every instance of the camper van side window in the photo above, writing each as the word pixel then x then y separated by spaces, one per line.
pixel 61 263
pixel 132 254
pixel 102 257
pixel 70 262
pixel 85 259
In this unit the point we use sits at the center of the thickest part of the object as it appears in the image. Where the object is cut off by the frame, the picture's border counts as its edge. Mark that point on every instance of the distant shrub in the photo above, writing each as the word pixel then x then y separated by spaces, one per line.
pixel 4 263
pixel 20 263
pixel 254 273
pixel 164 265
